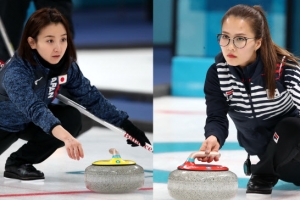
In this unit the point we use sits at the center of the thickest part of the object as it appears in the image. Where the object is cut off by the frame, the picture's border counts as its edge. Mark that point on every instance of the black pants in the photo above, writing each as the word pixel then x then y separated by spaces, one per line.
pixel 282 157
pixel 40 145
pixel 14 12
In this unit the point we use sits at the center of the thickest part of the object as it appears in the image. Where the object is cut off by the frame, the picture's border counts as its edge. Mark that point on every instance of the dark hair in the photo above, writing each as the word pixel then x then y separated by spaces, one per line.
pixel 270 53
pixel 37 21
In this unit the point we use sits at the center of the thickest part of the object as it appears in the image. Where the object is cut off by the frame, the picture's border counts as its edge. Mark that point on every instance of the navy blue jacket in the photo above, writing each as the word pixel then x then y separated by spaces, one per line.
pixel 26 91
pixel 241 93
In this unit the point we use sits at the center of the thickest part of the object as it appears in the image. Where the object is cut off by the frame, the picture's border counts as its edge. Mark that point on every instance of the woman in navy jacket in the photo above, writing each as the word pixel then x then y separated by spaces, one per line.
pixel 30 80
pixel 256 83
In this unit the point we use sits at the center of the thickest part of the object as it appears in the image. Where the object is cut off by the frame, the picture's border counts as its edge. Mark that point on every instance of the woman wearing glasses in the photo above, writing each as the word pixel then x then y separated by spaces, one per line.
pixel 256 83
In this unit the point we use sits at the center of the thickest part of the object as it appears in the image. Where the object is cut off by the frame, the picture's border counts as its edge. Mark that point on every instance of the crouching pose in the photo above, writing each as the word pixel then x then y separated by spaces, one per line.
pixel 256 83
pixel 45 62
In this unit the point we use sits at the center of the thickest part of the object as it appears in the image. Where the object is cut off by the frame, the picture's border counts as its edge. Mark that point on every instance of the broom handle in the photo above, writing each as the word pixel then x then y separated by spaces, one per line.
pixel 6 39
pixel 83 110
pixel 74 104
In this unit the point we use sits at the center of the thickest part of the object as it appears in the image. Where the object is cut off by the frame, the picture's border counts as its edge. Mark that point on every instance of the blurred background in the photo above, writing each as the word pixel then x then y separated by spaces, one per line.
pixel 121 31
pixel 113 23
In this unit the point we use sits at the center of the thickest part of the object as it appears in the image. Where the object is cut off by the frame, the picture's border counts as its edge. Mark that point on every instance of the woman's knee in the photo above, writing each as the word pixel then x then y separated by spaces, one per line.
pixel 73 124
pixel 74 114
pixel 69 117
pixel 287 140
pixel 288 127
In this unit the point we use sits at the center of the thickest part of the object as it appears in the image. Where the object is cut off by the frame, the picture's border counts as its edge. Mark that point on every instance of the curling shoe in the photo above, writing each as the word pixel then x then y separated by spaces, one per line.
pixel 260 187
pixel 23 172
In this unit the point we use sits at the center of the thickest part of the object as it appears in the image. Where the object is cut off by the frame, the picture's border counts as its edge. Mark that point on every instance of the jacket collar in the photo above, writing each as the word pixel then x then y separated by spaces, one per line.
pixel 251 71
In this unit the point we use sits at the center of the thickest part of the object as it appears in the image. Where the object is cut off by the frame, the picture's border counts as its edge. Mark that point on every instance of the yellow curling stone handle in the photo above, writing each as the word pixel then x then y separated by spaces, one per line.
pixel 116 159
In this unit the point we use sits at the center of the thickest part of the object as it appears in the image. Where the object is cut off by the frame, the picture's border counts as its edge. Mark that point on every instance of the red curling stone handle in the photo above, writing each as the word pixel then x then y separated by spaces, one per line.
pixel 190 165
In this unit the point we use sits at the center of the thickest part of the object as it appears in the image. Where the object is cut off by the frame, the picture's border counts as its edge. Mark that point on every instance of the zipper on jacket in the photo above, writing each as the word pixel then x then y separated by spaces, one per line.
pixel 247 86
pixel 248 90
pixel 47 86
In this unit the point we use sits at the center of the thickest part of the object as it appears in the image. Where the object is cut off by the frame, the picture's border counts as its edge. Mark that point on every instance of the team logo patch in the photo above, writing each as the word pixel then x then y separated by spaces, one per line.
pixel 1 64
pixel 52 87
pixel 62 79
pixel 37 80
pixel 55 85
pixel 228 95
pixel 275 137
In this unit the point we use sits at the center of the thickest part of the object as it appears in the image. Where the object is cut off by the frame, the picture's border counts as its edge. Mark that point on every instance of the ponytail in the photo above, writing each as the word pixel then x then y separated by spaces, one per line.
pixel 270 53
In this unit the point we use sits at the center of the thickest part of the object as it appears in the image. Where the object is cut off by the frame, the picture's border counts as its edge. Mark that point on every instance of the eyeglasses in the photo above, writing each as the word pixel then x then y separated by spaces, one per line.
pixel 238 41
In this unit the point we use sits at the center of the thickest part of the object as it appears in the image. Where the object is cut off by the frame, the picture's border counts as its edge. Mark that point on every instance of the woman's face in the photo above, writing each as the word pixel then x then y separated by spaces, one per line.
pixel 51 42
pixel 235 26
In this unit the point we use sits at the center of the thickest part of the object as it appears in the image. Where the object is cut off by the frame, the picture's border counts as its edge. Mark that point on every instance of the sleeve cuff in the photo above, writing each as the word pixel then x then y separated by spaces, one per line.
pixel 52 127
pixel 218 139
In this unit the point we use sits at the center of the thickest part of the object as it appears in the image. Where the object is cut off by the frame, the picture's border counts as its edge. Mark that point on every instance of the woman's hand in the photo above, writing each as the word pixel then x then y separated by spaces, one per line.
pixel 210 144
pixel 73 146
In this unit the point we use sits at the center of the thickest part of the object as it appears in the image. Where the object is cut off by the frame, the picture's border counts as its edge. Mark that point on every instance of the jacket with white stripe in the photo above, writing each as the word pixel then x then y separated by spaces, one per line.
pixel 241 93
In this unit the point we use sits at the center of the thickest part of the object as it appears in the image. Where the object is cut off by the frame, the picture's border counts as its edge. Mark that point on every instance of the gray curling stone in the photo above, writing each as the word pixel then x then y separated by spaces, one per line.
pixel 196 182
pixel 114 176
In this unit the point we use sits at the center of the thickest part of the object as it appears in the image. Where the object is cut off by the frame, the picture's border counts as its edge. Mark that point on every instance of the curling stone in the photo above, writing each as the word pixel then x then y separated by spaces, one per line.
pixel 196 181
pixel 114 176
